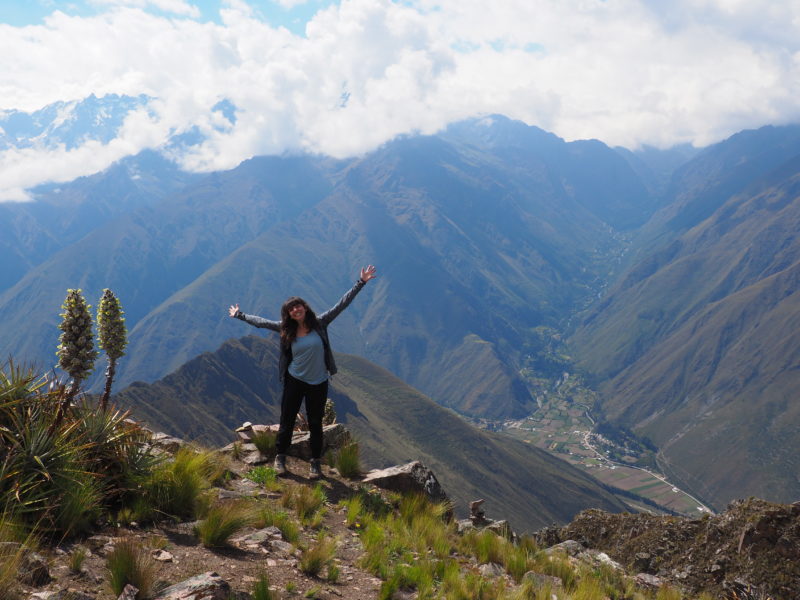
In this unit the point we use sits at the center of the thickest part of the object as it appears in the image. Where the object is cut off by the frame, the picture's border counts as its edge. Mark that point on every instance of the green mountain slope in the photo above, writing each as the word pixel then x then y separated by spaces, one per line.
pixel 697 338
pixel 212 394
pixel 472 248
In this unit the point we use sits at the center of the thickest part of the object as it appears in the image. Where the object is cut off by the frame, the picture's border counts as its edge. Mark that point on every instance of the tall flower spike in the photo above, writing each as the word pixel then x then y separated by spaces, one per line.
pixel 112 337
pixel 76 353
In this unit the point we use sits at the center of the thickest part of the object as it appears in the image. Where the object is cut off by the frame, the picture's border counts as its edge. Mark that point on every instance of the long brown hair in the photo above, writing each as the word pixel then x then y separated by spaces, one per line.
pixel 289 325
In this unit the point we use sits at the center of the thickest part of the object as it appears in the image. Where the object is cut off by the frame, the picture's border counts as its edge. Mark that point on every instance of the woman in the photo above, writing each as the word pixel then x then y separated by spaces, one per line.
pixel 305 362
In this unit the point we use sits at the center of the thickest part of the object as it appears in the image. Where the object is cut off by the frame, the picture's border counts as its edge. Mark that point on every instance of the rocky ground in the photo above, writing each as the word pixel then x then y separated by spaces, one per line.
pixel 751 550
pixel 180 556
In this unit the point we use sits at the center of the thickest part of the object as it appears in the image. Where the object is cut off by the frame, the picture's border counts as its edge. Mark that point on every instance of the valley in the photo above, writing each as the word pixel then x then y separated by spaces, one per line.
pixel 563 426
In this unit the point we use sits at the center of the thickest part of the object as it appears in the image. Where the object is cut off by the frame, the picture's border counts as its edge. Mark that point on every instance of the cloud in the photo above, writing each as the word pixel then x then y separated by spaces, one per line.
pixel 178 7
pixel 625 71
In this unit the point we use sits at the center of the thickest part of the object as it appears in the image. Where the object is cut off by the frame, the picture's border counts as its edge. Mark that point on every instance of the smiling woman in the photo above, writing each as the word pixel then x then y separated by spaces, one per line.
pixel 305 363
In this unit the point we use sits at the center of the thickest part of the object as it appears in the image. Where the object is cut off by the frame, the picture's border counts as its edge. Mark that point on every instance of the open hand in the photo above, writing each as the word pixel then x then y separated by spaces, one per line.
pixel 233 310
pixel 368 273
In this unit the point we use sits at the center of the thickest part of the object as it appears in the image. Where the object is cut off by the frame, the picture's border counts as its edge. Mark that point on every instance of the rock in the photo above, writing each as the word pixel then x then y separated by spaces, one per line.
pixel 641 562
pixel 208 586
pixel 502 528
pixel 541 580
pixel 96 542
pixel 282 547
pixel 646 580
pixel 491 570
pixel 162 556
pixel 333 436
pixel 129 593
pixel 571 547
pixel 33 570
pixel 167 442
pixel 411 477
pixel 68 594
pixel 599 558
pixel 464 525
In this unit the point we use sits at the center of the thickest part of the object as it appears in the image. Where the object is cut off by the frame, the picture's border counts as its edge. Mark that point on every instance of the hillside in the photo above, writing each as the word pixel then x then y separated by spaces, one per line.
pixel 697 339
pixel 216 392
pixel 479 233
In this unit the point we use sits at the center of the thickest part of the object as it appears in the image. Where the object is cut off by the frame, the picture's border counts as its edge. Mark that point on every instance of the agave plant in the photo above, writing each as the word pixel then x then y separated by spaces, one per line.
pixel 112 337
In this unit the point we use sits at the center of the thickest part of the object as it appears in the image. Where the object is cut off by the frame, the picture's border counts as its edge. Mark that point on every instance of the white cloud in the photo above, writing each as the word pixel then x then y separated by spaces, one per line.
pixel 624 71
pixel 178 7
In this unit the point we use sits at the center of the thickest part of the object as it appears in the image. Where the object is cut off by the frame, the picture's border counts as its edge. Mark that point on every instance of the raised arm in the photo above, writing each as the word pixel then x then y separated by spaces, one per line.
pixel 329 315
pixel 253 320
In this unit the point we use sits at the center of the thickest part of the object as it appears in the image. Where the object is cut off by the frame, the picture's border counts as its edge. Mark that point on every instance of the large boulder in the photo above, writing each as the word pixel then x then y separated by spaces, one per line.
pixel 411 477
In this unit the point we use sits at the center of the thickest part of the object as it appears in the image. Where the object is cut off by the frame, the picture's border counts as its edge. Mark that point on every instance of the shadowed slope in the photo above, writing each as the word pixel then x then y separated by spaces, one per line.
pixel 215 392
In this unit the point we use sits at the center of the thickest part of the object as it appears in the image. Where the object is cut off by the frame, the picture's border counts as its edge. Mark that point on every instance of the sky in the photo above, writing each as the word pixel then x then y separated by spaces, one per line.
pixel 342 77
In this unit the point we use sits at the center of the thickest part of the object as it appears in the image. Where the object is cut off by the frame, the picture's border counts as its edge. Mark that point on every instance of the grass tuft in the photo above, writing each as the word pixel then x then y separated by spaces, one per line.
pixel 347 461
pixel 265 441
pixel 318 555
pixel 130 563
pixel 261 589
pixel 305 501
pixel 222 521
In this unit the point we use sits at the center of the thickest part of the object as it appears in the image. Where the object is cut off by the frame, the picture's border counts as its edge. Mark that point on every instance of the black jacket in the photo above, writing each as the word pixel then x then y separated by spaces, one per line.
pixel 323 320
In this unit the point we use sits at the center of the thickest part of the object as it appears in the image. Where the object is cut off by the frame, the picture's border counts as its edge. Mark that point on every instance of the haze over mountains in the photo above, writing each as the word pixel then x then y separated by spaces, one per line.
pixel 677 289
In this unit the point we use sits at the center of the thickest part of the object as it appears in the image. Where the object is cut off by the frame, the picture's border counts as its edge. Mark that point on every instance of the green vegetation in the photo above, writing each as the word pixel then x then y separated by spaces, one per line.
pixel 222 521
pixel 318 555
pixel 347 461
pixel 76 353
pixel 130 563
pixel 307 502
pixel 261 589
pixel 266 476
pixel 112 337
pixel 264 441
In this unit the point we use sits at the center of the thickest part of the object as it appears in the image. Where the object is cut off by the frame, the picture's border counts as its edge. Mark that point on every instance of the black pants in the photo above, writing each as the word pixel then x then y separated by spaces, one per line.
pixel 294 391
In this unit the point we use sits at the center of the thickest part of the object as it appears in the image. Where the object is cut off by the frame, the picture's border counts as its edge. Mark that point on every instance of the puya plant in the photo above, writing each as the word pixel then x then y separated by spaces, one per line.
pixel 112 337
pixel 76 353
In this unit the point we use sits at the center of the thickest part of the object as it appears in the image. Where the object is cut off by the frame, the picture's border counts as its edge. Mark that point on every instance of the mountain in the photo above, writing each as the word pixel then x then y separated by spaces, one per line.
pixel 480 234
pixel 32 232
pixel 68 124
pixel 214 393
pixel 696 339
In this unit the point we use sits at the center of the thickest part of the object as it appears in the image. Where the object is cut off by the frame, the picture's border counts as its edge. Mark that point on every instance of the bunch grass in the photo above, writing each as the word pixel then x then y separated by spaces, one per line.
pixel 130 563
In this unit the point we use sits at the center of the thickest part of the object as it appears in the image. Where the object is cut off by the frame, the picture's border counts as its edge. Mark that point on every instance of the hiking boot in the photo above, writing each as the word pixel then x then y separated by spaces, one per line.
pixel 280 465
pixel 316 469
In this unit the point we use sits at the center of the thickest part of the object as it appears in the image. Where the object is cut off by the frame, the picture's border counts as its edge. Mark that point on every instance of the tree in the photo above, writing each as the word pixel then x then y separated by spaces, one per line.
pixel 112 337
pixel 76 354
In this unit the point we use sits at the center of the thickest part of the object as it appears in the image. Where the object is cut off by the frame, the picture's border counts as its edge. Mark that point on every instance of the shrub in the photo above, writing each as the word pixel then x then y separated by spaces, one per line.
pixel 265 442
pixel 266 476
pixel 318 555
pixel 175 488
pixel 347 461
pixel 129 563
pixel 221 522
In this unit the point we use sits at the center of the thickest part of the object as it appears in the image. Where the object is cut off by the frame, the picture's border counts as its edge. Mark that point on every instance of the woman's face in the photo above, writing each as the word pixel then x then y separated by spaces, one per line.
pixel 298 313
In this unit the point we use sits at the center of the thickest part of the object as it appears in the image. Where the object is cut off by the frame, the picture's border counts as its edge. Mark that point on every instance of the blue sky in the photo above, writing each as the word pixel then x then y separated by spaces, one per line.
pixel 33 12
pixel 627 72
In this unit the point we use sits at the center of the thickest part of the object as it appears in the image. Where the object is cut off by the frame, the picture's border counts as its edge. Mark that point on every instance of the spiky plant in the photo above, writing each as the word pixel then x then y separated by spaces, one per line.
pixel 112 337
pixel 76 353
